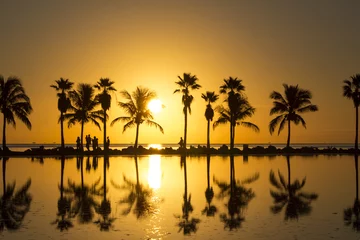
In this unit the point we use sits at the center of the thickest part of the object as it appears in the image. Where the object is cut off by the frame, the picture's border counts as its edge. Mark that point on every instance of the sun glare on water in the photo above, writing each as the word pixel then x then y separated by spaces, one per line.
pixel 155 106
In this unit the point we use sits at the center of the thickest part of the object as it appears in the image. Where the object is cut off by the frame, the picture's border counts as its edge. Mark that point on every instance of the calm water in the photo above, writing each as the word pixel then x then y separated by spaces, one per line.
pixel 150 204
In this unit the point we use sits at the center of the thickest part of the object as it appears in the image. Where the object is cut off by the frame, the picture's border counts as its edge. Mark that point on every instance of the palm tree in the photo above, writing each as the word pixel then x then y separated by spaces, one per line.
pixel 355 209
pixel 63 85
pixel 136 108
pixel 234 88
pixel 83 108
pixel 13 205
pixel 186 83
pixel 14 102
pixel 209 97
pixel 185 224
pixel 105 86
pixel 351 90
pixel 238 196
pixel 236 116
pixel 209 209
pixel 139 198
pixel 289 194
pixel 294 102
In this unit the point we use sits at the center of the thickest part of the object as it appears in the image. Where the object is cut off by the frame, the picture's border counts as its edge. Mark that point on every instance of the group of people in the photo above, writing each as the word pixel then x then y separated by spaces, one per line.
pixel 94 141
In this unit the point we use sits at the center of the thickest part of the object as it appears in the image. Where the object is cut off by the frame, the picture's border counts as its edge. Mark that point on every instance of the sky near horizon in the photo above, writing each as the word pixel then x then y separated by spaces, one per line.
pixel 315 44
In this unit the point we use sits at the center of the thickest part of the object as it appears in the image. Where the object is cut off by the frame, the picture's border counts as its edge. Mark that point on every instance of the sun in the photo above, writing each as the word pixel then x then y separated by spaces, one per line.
pixel 155 106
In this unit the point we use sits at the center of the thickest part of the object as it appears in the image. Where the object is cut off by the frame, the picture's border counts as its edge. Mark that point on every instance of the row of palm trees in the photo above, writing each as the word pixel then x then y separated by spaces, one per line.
pixel 79 106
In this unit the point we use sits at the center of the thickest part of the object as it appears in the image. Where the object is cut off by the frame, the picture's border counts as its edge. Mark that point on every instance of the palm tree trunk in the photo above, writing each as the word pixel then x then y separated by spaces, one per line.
pixel 105 145
pixel 231 131
pixel 82 136
pixel 137 136
pixel 231 174
pixel 233 137
pixel 62 177
pixel 357 177
pixel 185 182
pixel 208 170
pixel 185 129
pixel 137 173
pixel 3 175
pixel 105 160
pixel 62 131
pixel 356 129
pixel 288 139
pixel 4 134
pixel 208 135
pixel 289 173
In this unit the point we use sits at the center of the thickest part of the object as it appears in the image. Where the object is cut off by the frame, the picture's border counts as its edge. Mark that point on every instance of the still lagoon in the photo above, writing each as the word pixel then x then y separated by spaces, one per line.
pixel 169 197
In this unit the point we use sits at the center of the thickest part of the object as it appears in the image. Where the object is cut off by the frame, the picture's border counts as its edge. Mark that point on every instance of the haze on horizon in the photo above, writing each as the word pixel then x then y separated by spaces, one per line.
pixel 265 43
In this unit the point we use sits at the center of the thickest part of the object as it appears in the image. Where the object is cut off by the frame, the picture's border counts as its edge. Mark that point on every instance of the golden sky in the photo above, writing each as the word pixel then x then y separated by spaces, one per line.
pixel 265 43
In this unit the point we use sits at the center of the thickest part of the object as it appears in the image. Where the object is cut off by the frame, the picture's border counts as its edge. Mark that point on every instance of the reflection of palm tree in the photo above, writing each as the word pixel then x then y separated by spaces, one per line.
pixel 186 225
pixel 139 198
pixel 83 108
pixel 239 197
pixel 13 102
pixel 137 110
pixel 294 102
pixel 297 202
pixel 84 202
pixel 63 85
pixel 209 210
pixel 185 84
pixel 13 205
pixel 352 215
pixel 64 204
pixel 209 97
pixel 105 208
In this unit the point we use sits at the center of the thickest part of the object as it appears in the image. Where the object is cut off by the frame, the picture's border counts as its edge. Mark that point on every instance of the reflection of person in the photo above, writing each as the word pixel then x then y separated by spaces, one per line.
pixel 181 143
pixel 78 143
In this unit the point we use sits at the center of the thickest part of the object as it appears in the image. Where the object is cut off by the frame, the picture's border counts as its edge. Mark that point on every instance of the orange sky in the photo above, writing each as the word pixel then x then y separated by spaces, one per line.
pixel 149 43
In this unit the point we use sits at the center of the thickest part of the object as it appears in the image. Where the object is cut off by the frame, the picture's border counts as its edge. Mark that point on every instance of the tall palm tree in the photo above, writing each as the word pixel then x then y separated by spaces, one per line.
pixel 136 108
pixel 234 89
pixel 289 194
pixel 13 102
pixel 13 205
pixel 83 108
pixel 209 209
pixel 62 87
pixel 186 83
pixel 239 197
pixel 351 90
pixel 236 116
pixel 288 107
pixel 209 97
pixel 104 97
pixel 352 214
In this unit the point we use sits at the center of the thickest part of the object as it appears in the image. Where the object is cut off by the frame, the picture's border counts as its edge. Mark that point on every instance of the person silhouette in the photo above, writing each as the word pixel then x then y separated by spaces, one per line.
pixel 107 143
pixel 78 143
pixel 94 143
pixel 88 142
pixel 181 143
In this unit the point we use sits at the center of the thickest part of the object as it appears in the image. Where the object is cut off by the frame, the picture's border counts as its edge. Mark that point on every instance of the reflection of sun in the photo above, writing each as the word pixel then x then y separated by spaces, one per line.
pixel 155 146
pixel 155 106
pixel 154 172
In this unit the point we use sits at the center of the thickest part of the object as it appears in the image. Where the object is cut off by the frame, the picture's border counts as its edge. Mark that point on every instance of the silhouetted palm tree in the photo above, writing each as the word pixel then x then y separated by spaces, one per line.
pixel 351 90
pixel 294 102
pixel 209 97
pixel 297 202
pixel 234 89
pixel 83 108
pixel 84 202
pixel 352 214
pixel 64 213
pixel 105 86
pixel 13 102
pixel 13 205
pixel 238 196
pixel 186 225
pixel 139 198
pixel 185 84
pixel 136 108
pixel 209 209
pixel 63 85
pixel 236 116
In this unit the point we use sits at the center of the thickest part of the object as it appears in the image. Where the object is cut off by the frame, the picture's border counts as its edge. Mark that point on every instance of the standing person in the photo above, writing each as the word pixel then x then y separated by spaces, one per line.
pixel 78 143
pixel 88 142
pixel 181 143
pixel 94 143
pixel 107 143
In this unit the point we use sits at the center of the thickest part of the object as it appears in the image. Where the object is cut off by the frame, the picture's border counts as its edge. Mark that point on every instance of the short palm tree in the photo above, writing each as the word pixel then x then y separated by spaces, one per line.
pixel 83 108
pixel 104 97
pixel 13 205
pixel 209 97
pixel 63 86
pixel 13 103
pixel 186 83
pixel 137 111
pixel 297 202
pixel 209 209
pixel 351 90
pixel 288 107
pixel 236 116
